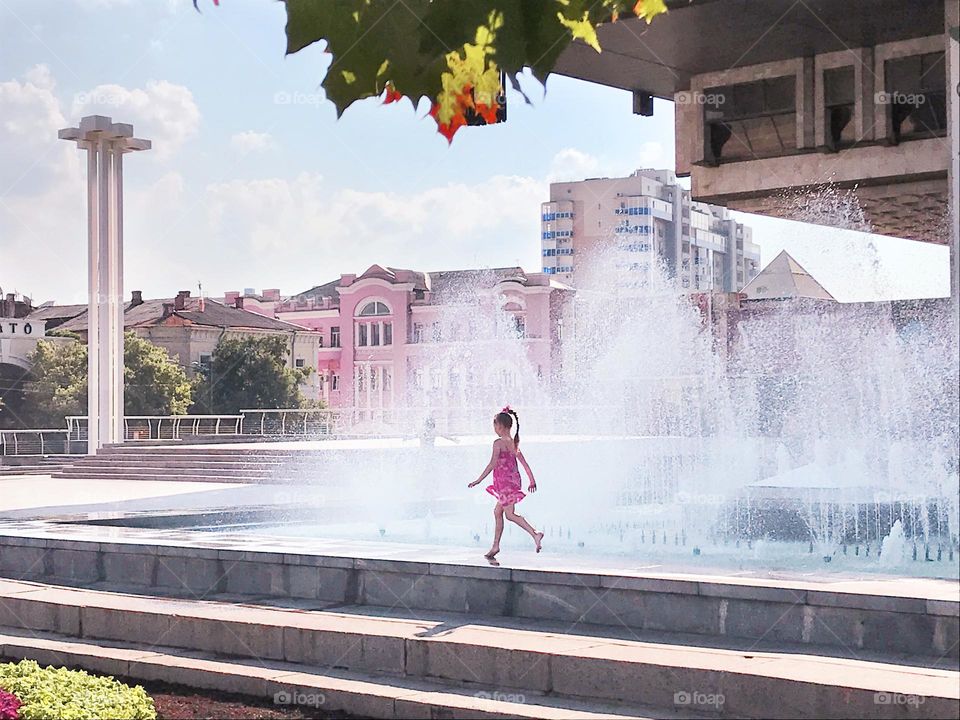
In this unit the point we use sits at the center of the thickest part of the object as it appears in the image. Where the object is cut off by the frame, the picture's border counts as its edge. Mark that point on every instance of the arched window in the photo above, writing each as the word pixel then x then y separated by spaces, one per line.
pixel 373 309
pixel 373 328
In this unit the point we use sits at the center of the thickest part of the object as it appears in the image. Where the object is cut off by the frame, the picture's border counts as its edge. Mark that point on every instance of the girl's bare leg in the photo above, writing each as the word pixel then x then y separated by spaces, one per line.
pixel 522 522
pixel 497 530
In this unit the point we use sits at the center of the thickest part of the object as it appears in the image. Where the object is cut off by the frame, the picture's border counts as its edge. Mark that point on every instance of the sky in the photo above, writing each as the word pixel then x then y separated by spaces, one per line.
pixel 253 182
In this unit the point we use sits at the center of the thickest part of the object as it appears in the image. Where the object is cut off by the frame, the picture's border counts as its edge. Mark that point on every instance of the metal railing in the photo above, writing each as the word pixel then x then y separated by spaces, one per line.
pixel 35 442
pixel 164 427
pixel 295 421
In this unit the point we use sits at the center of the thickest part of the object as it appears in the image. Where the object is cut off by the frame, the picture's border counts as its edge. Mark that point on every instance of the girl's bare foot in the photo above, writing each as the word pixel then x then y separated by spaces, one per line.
pixel 492 553
pixel 537 538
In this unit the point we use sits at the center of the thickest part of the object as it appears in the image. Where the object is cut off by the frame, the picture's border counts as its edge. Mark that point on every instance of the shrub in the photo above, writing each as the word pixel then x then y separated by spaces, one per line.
pixel 72 694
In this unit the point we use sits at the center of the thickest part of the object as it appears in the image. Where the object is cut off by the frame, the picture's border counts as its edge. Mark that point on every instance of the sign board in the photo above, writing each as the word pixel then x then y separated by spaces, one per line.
pixel 22 328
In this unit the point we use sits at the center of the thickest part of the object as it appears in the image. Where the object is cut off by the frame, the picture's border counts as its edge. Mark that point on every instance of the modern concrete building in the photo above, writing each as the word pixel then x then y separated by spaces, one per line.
pixel 777 96
pixel 646 219
pixel 392 338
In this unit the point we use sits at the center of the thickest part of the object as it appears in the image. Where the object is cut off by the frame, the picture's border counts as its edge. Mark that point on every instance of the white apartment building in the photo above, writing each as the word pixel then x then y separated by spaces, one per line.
pixel 646 218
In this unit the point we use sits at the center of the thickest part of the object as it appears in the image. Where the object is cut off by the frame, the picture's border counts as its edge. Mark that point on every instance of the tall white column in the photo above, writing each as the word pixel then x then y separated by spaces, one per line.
pixel 952 23
pixel 105 143
pixel 93 288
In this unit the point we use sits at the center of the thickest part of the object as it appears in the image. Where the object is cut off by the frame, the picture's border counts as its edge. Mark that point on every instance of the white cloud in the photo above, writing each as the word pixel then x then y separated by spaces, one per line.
pixel 162 112
pixel 571 164
pixel 249 142
pixel 339 230
pixel 30 117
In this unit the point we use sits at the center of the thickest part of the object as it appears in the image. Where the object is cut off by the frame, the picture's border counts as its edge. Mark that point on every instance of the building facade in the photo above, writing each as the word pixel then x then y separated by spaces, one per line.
pixel 391 338
pixel 189 328
pixel 645 219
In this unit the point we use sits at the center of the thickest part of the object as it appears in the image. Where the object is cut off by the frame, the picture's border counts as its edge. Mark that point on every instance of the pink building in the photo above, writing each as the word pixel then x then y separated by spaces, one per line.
pixel 398 338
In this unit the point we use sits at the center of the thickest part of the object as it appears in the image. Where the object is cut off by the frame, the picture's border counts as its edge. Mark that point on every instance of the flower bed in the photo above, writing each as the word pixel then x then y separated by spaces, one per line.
pixel 31 692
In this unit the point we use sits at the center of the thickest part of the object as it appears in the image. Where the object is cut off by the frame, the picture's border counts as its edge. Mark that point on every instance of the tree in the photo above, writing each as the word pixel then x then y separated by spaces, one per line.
pixel 153 383
pixel 249 372
pixel 57 385
pixel 452 52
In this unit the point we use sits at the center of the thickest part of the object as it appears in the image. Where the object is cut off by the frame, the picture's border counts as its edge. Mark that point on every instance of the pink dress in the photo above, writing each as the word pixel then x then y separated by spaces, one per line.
pixel 506 479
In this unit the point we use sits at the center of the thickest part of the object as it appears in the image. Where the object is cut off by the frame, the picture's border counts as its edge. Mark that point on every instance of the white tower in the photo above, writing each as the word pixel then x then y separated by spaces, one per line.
pixel 105 142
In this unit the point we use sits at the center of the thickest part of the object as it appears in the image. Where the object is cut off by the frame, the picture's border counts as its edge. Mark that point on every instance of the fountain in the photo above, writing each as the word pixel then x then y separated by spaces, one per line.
pixel 813 436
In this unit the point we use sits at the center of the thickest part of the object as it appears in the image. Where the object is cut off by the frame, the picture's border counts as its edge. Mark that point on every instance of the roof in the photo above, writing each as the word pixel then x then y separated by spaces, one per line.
pixel 55 315
pixel 444 285
pixel 318 291
pixel 455 281
pixel 150 313
pixel 784 277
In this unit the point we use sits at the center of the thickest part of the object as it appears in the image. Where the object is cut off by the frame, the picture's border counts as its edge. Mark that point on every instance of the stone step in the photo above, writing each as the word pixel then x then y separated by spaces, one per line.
pixel 262 450
pixel 46 469
pixel 178 477
pixel 176 460
pixel 737 683
pixel 362 695
pixel 237 470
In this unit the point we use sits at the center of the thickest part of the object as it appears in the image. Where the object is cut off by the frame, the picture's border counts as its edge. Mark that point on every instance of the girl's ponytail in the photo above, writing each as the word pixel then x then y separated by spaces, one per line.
pixel 516 418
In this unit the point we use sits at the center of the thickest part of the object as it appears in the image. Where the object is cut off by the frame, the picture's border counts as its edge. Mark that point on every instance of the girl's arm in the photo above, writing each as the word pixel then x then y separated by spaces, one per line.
pixel 526 467
pixel 490 465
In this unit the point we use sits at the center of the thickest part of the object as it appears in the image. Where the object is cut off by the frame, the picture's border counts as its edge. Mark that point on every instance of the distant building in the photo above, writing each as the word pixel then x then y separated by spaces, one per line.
pixel 784 278
pixel 189 329
pixel 390 336
pixel 647 218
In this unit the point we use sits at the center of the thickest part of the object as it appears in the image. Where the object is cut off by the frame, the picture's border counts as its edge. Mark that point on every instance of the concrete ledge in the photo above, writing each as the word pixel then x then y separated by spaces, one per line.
pixel 833 614
pixel 512 660
pixel 335 691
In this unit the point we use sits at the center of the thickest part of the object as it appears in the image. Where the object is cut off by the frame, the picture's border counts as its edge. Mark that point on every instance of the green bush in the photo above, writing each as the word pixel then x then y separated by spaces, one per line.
pixel 72 694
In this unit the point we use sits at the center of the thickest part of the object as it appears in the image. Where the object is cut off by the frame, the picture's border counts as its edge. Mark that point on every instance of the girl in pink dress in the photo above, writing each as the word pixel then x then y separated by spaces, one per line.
pixel 506 479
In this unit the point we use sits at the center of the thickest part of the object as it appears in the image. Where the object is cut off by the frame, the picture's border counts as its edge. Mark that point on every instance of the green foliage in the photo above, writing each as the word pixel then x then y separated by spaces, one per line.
pixel 72 694
pixel 153 383
pixel 57 385
pixel 409 44
pixel 249 372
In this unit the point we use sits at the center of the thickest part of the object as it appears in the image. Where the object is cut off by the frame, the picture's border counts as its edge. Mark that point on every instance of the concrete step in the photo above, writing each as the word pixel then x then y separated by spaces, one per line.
pixel 176 460
pixel 236 470
pixel 178 477
pixel 526 659
pixel 362 695
pixel 262 450
pixel 46 469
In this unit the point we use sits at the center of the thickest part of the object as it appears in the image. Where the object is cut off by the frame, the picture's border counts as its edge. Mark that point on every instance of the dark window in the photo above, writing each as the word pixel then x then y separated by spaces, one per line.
pixel 916 96
pixel 750 120
pixel 387 334
pixel 335 337
pixel 839 95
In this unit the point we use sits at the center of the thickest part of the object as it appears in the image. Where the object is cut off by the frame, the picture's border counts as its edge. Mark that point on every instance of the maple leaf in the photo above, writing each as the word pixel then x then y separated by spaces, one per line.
pixel 649 9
